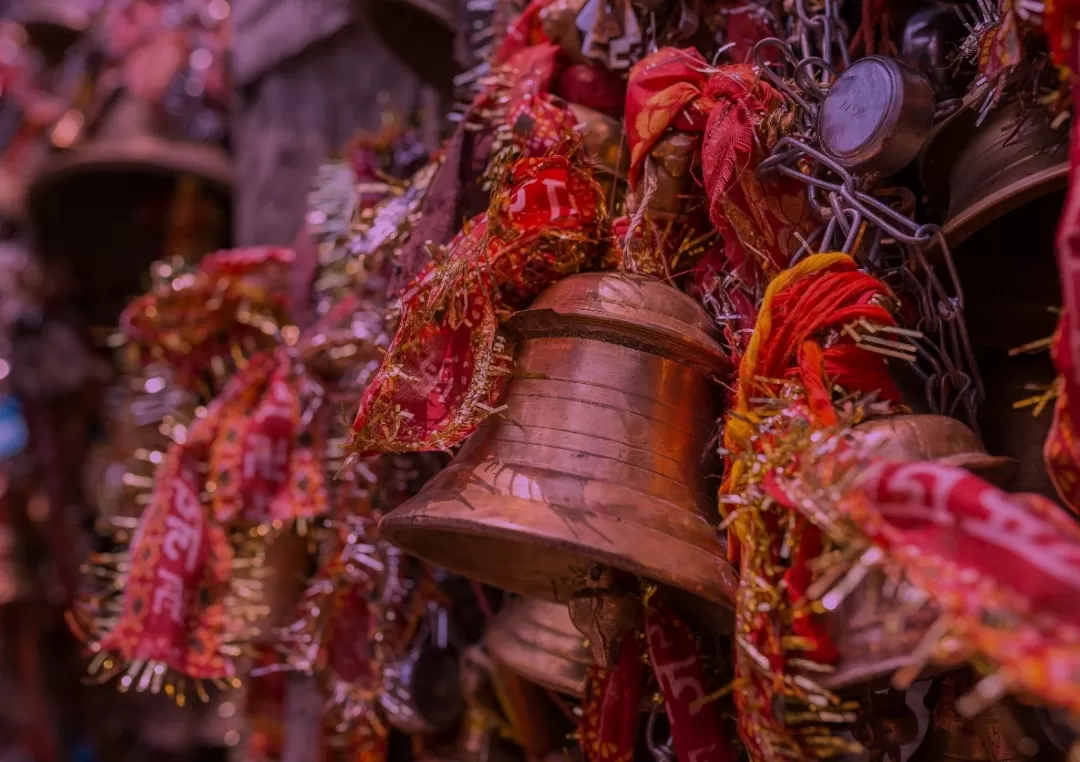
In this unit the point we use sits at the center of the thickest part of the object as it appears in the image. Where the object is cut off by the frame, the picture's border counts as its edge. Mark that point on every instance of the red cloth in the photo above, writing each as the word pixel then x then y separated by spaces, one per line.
pixel 446 366
pixel 730 106
pixel 1005 567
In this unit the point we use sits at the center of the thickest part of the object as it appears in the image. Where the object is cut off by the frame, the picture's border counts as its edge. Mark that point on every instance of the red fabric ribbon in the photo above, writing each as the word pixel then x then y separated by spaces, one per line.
pixel 1005 567
pixel 612 704
pixel 1062 450
pixel 173 606
pixel 446 367
pixel 676 660
pixel 730 106
pixel 265 463
pixel 820 296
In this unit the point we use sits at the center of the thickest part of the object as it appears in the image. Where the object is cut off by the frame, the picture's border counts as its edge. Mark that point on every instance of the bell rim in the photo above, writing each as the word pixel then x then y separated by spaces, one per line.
pixel 1008 199
pixel 436 69
pixel 1002 201
pixel 144 155
pixel 554 680
pixel 400 525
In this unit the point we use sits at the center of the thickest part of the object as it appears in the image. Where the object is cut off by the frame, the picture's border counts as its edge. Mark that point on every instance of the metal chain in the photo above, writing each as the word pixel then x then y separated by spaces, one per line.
pixel 818 31
pixel 877 226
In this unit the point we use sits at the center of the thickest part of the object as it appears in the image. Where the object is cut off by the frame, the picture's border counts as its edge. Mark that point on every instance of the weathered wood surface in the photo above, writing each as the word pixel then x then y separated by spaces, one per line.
pixel 300 111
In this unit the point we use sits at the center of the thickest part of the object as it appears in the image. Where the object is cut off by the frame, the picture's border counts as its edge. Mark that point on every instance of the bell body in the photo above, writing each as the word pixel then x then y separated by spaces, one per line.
pixel 537 640
pixel 421 33
pixel 128 141
pixel 875 632
pixel 600 455
pixel 979 172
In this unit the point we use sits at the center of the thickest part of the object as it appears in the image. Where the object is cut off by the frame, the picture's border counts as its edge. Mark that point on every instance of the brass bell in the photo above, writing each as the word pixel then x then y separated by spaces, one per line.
pixel 421 33
pixel 977 173
pixel 129 141
pixel 598 458
pixel 176 191
pixel 1001 184
pixel 537 640
pixel 53 26
pixel 873 628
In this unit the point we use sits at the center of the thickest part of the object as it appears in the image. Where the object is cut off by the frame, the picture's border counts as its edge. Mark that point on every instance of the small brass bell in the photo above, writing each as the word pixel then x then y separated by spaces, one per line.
pixel 872 629
pixel 600 455
pixel 979 172
pixel 537 640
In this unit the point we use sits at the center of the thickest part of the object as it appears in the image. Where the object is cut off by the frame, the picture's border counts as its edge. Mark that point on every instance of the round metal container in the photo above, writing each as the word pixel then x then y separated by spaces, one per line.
pixel 877 115
pixel 601 455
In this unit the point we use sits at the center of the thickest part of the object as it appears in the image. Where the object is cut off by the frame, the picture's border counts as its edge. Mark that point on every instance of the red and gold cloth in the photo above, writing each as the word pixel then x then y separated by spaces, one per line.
pixel 232 298
pixel 613 698
pixel 1003 569
pixel 173 612
pixel 738 114
pixel 801 347
pixel 447 365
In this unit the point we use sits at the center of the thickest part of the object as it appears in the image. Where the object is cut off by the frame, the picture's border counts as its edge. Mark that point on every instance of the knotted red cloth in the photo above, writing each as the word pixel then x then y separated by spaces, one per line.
pixel 736 112
pixel 799 335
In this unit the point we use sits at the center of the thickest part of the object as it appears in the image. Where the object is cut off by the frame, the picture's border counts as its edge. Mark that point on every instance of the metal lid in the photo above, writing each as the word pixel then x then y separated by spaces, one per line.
pixel 627 309
pixel 876 115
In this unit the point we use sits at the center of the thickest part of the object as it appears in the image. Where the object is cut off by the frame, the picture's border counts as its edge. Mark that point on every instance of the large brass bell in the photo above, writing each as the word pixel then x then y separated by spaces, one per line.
pixel 1001 186
pixel 537 640
pixel 874 631
pixel 599 459
pixel 176 194
pixel 978 173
